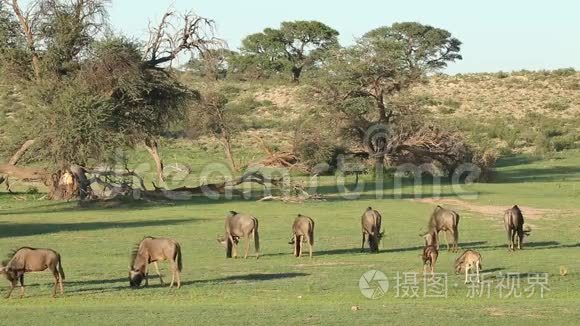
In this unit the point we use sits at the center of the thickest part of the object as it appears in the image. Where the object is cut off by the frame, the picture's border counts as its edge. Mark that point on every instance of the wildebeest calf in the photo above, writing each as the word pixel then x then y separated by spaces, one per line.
pixel 470 259
pixel 513 220
pixel 371 226
pixel 302 229
pixel 445 220
pixel 28 259
pixel 430 252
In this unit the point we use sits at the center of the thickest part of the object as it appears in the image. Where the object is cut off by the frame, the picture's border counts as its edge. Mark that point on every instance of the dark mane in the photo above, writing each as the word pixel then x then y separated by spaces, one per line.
pixel 135 249
pixel 12 253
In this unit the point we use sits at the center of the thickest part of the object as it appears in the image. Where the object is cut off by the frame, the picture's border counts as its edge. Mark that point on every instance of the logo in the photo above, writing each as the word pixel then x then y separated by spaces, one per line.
pixel 373 284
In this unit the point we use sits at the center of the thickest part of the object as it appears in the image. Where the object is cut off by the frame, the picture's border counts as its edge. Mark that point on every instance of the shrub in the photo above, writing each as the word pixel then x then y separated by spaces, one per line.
pixel 557 104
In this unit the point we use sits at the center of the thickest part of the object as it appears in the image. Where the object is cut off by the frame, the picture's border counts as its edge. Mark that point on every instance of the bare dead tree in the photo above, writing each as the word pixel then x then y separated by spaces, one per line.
pixel 176 34
pixel 27 20
pixel 179 33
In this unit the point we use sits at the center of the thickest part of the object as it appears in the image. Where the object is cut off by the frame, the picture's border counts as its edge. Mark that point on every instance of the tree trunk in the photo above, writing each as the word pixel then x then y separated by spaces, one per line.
pixel 69 184
pixel 153 149
pixel 296 72
pixel 226 143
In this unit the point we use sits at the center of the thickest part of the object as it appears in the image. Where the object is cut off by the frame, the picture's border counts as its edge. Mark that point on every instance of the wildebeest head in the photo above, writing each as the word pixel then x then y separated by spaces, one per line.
pixel 430 238
pixel 527 230
pixel 222 240
pixel 135 277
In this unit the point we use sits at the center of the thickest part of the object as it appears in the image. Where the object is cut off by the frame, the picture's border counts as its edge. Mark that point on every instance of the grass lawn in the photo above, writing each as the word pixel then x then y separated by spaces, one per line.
pixel 281 289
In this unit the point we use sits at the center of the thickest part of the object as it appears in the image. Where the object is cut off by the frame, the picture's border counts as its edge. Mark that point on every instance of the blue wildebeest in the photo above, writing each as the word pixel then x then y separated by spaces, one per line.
pixel 445 220
pixel 513 220
pixel 302 231
pixel 371 226
pixel 470 259
pixel 151 250
pixel 28 259
pixel 239 225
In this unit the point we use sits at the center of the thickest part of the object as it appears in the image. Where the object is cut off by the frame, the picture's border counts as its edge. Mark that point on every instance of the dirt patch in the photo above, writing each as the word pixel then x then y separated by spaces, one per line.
pixel 503 312
pixel 490 210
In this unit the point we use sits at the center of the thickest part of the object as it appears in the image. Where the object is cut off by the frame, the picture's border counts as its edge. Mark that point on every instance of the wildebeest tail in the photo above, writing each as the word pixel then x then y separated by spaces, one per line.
pixel 256 236
pixel 178 257
pixel 60 270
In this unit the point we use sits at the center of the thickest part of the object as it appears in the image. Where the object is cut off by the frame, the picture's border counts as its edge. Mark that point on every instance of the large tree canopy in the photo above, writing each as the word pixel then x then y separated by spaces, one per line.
pixel 293 46
pixel 362 87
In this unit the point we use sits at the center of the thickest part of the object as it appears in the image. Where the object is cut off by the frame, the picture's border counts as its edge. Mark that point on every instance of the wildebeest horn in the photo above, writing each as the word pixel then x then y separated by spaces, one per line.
pixel 299 215
pixel 369 208
pixel 233 212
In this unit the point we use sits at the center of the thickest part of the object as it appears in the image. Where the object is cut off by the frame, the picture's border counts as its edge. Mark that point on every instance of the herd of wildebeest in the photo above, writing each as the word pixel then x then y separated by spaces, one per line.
pixel 238 225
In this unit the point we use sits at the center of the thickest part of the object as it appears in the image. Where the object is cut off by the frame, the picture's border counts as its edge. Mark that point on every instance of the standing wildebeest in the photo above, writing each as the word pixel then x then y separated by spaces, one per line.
pixel 28 259
pixel 444 220
pixel 470 259
pixel 371 226
pixel 513 221
pixel 151 250
pixel 239 225
pixel 302 229
pixel 430 252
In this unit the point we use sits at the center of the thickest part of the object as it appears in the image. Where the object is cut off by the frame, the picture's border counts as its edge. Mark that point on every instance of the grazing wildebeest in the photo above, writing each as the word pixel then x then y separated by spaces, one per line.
pixel 513 221
pixel 470 259
pixel 371 225
pixel 28 259
pixel 445 220
pixel 302 231
pixel 239 225
pixel 151 250
pixel 430 252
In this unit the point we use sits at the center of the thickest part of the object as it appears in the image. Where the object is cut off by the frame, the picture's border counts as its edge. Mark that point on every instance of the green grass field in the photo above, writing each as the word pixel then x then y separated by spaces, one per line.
pixel 280 289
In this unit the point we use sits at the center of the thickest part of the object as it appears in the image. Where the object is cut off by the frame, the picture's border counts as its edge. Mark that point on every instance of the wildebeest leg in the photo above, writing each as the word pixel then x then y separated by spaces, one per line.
pixel 56 281
pixel 477 270
pixel 509 236
pixel 12 286
pixel 173 271
pixel 234 246
pixel 362 247
pixel 301 245
pixel 146 274
pixel 247 249
pixel 447 239
pixel 21 279
pixel 467 267
pixel 295 241
pixel 520 238
pixel 432 266
pixel 513 239
pixel 178 274
pixel 309 239
pixel 60 280
pixel 158 274
pixel 455 239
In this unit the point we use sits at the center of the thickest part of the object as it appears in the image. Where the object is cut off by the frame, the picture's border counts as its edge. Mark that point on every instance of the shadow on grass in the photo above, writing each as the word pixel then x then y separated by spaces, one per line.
pixel 154 282
pixel 29 229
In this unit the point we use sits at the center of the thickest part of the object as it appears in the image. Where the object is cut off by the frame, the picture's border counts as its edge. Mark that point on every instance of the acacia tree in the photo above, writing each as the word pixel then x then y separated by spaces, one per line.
pixel 362 86
pixel 294 45
pixel 90 96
